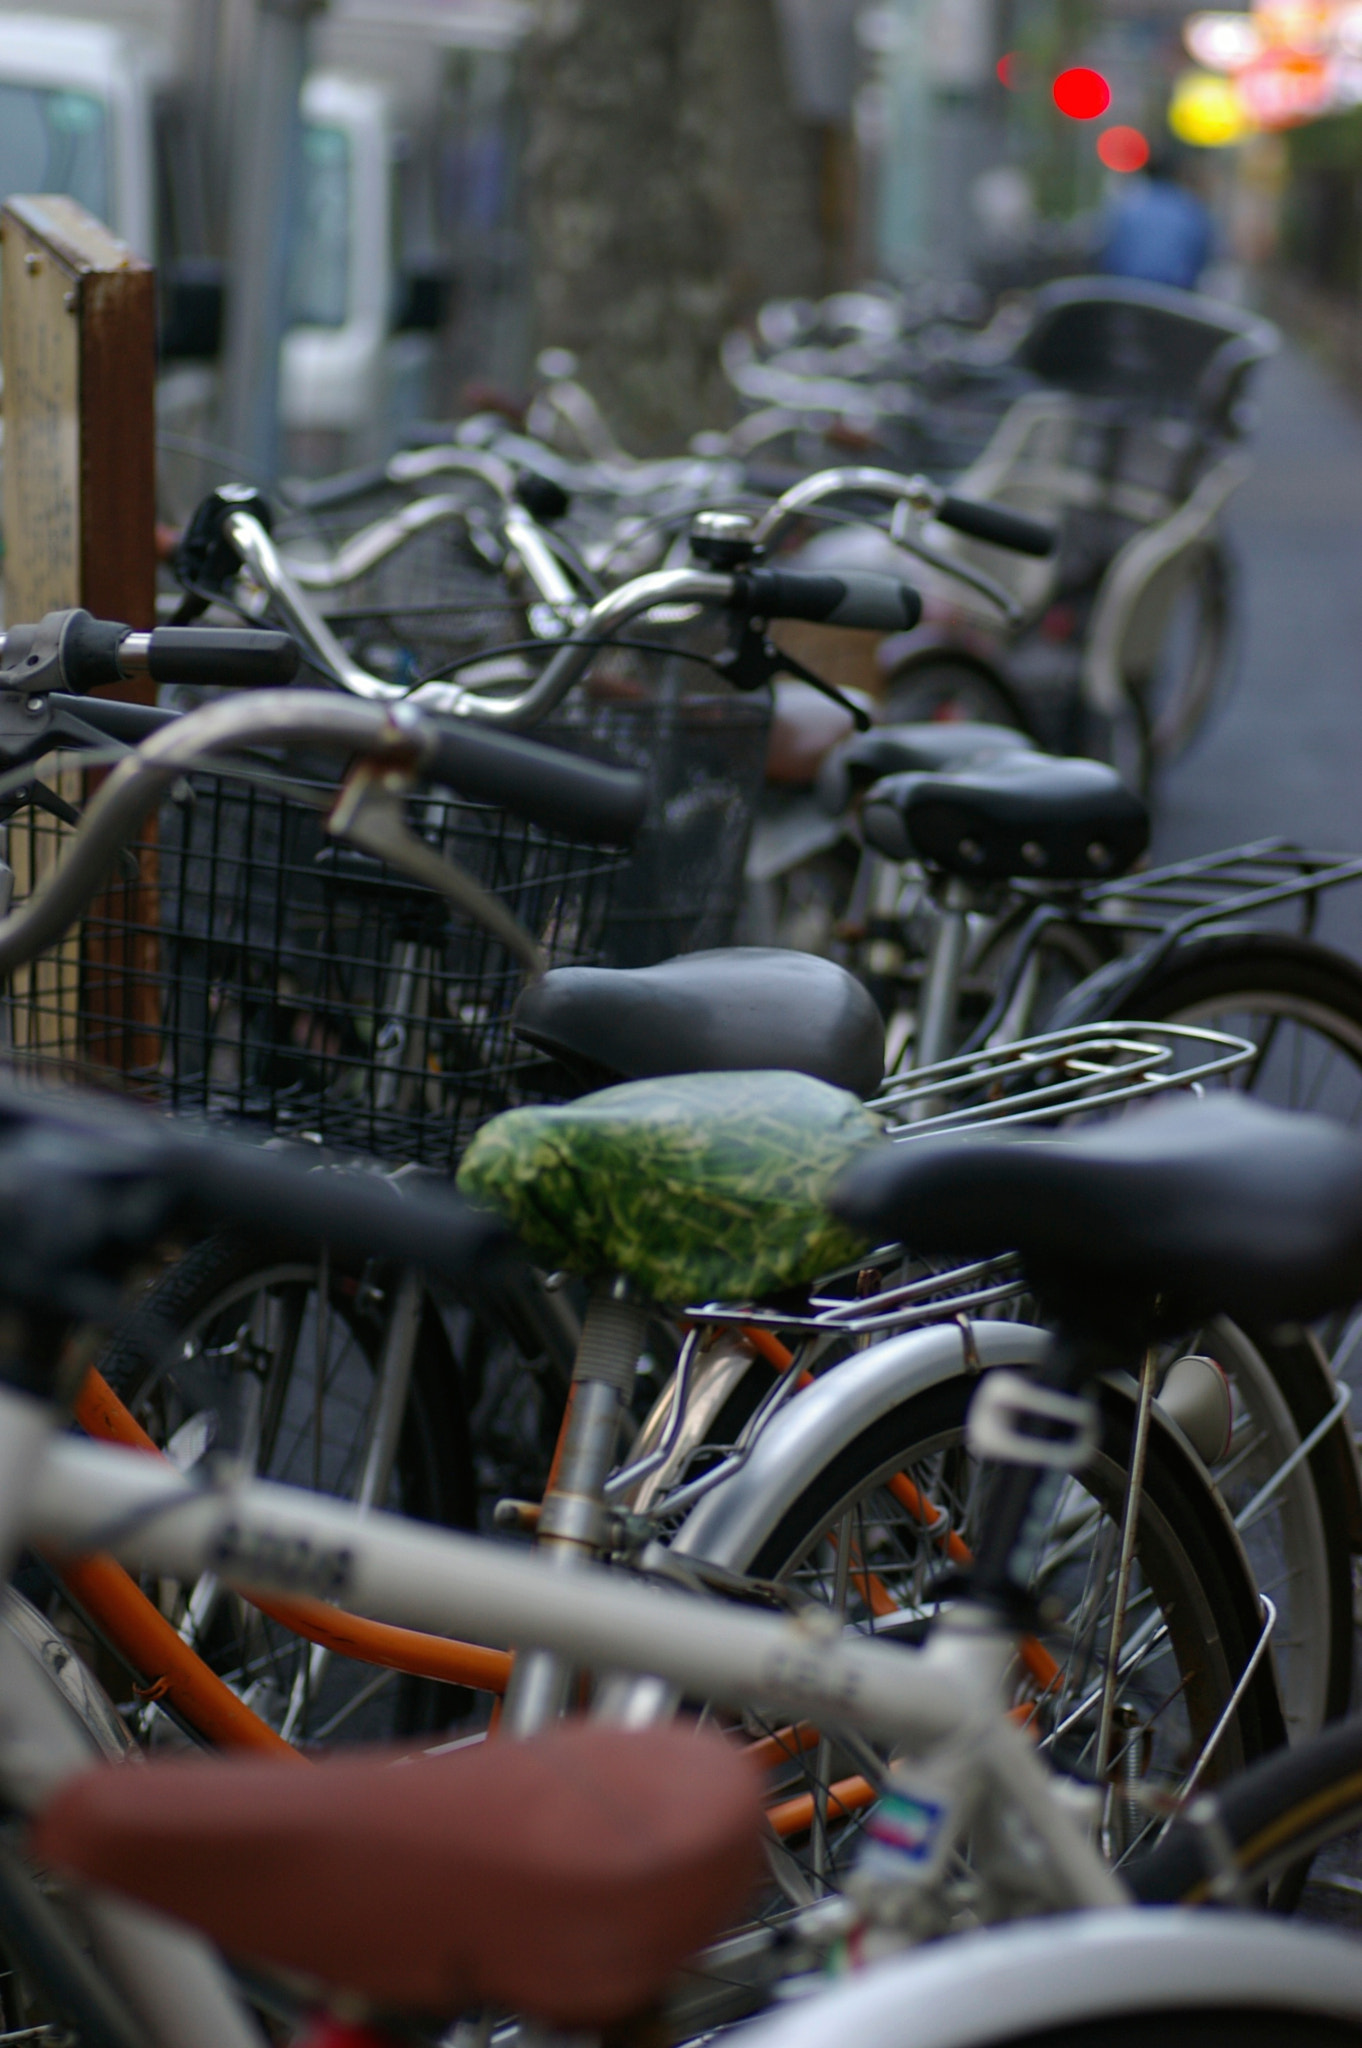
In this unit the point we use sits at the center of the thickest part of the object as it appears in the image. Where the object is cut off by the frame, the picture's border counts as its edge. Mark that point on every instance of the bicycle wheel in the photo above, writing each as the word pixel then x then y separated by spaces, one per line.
pixel 245 1363
pixel 1299 1002
pixel 1192 1623
pixel 948 688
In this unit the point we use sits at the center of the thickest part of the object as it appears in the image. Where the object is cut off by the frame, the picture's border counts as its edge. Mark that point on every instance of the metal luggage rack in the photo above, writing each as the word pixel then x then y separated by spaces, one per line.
pixel 1215 887
pixel 1085 1071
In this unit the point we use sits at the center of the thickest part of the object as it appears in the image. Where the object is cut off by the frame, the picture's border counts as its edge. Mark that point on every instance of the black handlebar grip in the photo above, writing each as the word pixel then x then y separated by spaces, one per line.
pixel 226 655
pixel 998 525
pixel 422 1224
pixel 876 604
pixel 560 791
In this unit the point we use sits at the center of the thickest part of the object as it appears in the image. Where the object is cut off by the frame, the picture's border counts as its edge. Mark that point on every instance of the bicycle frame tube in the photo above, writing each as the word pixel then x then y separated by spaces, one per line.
pixel 89 1497
pixel 138 1630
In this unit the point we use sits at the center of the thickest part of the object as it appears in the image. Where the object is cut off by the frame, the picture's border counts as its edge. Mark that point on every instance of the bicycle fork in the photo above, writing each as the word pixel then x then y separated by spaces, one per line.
pixel 572 1523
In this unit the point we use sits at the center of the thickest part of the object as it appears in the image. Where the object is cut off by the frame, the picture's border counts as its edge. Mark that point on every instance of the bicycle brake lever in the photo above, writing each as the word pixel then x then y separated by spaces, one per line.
pixel 368 812
pixel 751 660
pixel 44 799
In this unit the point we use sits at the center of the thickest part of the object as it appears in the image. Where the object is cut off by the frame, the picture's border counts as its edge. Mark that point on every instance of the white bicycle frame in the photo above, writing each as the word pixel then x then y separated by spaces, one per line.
pixel 74 1498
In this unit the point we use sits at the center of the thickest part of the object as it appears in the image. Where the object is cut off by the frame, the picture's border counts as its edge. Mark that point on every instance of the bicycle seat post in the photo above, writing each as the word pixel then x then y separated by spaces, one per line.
pixel 941 985
pixel 572 1520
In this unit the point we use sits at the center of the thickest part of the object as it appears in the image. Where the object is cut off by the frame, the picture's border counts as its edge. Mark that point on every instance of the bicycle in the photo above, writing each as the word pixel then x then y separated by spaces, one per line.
pixel 1302 1179
pixel 237 720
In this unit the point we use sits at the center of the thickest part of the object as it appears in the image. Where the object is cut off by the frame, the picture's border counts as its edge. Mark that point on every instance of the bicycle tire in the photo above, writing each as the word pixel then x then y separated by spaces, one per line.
pixel 1204 1588
pixel 433 1476
pixel 1281 979
pixel 1214 1604
pixel 1215 2027
pixel 1173 1491
pixel 1230 980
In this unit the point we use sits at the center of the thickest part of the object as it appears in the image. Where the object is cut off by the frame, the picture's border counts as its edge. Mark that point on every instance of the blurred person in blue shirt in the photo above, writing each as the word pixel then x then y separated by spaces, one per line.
pixel 1156 229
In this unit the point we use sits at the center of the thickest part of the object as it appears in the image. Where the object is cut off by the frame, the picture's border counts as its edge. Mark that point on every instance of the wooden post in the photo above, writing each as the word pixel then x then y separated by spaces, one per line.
pixel 78 343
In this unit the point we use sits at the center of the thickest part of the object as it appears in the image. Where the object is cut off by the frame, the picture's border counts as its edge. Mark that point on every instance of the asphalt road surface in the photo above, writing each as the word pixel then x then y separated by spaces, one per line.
pixel 1284 753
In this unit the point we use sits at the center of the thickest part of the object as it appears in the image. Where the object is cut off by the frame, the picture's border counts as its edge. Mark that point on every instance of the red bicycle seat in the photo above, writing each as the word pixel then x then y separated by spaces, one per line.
pixel 567 1876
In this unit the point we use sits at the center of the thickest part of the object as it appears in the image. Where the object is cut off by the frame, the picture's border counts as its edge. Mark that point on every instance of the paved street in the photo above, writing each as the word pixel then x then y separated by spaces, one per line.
pixel 1285 753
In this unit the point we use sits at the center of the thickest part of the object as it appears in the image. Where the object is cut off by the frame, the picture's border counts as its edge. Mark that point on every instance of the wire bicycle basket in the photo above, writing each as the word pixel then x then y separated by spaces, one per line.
pixel 257 970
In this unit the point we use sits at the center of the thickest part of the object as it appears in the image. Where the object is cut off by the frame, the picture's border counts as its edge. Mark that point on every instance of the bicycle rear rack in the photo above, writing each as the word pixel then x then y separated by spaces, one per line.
pixel 1084 1071
pixel 1219 887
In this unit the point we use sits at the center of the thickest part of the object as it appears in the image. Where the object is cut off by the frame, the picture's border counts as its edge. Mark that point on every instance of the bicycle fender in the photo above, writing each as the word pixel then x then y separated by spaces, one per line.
pixel 1004 1983
pixel 730 1524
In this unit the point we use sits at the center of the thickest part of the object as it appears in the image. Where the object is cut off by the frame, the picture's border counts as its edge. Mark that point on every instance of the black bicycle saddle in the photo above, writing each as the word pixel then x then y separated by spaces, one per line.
pixel 1021 814
pixel 927 748
pixel 1166 1216
pixel 746 1007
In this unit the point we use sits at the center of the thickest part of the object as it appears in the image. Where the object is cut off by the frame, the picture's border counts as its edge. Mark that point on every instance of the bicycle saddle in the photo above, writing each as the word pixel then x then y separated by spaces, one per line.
pixel 748 1006
pixel 567 1876
pixel 697 1187
pixel 911 750
pixel 1022 814
pixel 1166 1216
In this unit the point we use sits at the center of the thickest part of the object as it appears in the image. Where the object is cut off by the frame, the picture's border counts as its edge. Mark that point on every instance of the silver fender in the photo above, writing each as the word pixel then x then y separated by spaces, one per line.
pixel 990 1988
pixel 80 1690
pixel 729 1525
pixel 54 1724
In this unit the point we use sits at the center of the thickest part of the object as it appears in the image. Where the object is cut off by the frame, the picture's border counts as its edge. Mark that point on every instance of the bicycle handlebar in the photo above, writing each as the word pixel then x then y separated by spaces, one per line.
pixel 431 1226
pixel 75 653
pixel 927 498
pixel 88 1186
pixel 997 524
pixel 365 550
pixel 582 799
pixel 569 790
pixel 877 604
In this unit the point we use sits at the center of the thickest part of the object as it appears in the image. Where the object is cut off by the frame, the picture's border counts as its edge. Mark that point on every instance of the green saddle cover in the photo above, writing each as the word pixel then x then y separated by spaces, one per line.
pixel 699 1187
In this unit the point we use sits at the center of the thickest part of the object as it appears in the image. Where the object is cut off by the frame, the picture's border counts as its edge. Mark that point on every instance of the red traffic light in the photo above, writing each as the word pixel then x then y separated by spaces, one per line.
pixel 1081 94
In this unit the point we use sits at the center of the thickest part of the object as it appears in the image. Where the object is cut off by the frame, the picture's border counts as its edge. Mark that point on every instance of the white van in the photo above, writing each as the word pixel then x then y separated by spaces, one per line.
pixel 88 107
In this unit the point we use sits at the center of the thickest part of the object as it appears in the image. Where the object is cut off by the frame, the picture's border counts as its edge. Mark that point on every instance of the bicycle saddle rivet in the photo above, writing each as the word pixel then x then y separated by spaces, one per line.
pixel 1099 855
pixel 1034 854
pixel 971 850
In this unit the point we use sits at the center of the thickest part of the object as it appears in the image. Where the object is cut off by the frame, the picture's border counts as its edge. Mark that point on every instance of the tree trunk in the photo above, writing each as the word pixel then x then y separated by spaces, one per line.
pixel 670 189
